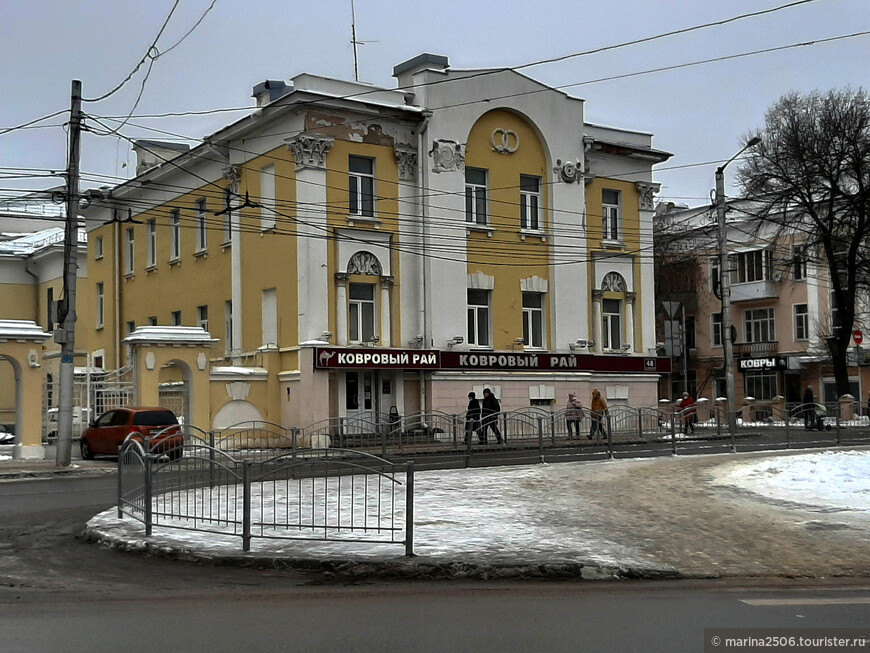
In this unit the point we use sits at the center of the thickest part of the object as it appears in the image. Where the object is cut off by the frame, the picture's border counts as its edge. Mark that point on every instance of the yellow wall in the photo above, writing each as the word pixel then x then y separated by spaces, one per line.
pixel 18 302
pixel 504 255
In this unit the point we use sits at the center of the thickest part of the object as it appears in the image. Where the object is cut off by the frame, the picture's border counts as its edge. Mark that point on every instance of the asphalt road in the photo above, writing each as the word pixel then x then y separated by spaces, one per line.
pixel 58 593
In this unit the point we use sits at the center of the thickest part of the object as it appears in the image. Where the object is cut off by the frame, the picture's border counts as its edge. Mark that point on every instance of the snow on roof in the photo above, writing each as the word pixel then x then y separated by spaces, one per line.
pixel 31 242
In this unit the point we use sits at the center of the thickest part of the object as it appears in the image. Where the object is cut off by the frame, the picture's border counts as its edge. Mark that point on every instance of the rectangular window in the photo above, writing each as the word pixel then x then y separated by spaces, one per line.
pixel 716 330
pixel 98 247
pixel 799 262
pixel 131 251
pixel 533 320
pixel 361 181
pixel 202 317
pixel 270 318
pixel 760 385
pixel 612 327
pixel 176 318
pixel 175 235
pixel 759 325
pixel 101 304
pixel 478 318
pixel 201 227
pixel 152 321
pixel 530 198
pixel 753 266
pixel 801 322
pixel 50 311
pixel 131 327
pixel 611 214
pixel 152 243
pixel 361 312
pixel 267 197
pixel 228 327
pixel 475 195
pixel 690 333
pixel 714 274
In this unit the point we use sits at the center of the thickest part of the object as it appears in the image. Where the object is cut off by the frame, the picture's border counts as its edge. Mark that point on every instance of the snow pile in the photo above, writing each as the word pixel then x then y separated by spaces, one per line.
pixel 828 480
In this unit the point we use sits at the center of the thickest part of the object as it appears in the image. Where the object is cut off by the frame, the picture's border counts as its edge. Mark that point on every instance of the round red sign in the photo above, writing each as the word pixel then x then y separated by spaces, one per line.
pixel 858 337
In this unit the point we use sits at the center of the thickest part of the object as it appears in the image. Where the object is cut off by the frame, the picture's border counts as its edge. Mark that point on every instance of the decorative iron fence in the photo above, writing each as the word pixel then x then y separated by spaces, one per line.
pixel 332 495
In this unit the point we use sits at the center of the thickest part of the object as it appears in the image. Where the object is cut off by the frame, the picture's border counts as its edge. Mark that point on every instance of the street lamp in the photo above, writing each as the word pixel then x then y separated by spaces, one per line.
pixel 725 291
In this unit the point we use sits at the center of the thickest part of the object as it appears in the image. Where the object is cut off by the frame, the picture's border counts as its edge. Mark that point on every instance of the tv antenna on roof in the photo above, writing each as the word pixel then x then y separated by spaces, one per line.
pixel 354 42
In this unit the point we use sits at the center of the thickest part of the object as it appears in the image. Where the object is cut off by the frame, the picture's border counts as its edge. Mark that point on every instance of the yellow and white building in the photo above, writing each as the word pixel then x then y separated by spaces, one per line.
pixel 352 248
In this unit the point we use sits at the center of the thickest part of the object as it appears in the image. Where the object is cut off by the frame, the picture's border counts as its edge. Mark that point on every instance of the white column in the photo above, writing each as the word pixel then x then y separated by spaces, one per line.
pixel 629 320
pixel 597 296
pixel 386 323
pixel 341 308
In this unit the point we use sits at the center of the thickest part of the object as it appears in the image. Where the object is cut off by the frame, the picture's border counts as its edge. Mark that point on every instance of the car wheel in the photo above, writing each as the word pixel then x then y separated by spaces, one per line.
pixel 87 454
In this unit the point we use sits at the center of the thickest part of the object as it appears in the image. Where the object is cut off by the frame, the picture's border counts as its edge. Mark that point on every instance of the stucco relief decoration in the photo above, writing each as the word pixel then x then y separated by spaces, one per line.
pixel 647 193
pixel 233 174
pixel 614 282
pixel 406 158
pixel 309 150
pixel 364 263
pixel 201 361
pixel 569 172
pixel 238 390
pixel 447 156
pixel 504 141
pixel 150 360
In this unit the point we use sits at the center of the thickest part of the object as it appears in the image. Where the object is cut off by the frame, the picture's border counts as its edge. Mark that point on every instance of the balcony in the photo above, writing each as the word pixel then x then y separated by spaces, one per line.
pixel 750 292
pixel 756 348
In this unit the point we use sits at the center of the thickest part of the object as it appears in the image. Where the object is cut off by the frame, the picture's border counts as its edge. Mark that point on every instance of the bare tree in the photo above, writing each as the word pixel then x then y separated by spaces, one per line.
pixel 810 176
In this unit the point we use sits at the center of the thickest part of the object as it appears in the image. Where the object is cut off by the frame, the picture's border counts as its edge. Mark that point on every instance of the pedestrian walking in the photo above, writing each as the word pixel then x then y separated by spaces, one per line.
pixel 573 415
pixel 599 411
pixel 687 410
pixel 490 410
pixel 809 406
pixel 472 418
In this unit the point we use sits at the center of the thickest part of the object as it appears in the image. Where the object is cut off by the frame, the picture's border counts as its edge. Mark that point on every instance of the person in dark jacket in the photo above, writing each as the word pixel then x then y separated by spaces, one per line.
pixel 573 415
pixel 809 406
pixel 491 409
pixel 472 418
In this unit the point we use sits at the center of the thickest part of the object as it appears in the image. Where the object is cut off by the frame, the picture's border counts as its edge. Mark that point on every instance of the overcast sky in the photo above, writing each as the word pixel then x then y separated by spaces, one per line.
pixel 699 113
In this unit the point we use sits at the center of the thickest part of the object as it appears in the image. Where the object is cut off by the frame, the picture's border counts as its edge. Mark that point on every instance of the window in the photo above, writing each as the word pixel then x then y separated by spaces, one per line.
pixel 201 233
pixel 761 384
pixel 267 197
pixel 176 318
pixel 202 317
pixel 228 327
pixel 101 305
pixel 759 325
pixel 610 210
pixel 130 251
pixel 131 327
pixel 361 313
pixel 152 243
pixel 832 304
pixel 753 266
pixel 152 321
pixel 799 262
pixel 50 314
pixel 361 186
pixel 270 318
pixel 714 274
pixel 98 247
pixel 478 317
pixel 530 193
pixel 612 328
pixel 175 235
pixel 533 320
pixel 801 322
pixel 716 331
pixel 475 195
pixel 690 333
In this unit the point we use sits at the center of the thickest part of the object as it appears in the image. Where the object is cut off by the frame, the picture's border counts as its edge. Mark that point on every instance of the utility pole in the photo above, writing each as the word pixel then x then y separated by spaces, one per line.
pixel 65 335
pixel 725 290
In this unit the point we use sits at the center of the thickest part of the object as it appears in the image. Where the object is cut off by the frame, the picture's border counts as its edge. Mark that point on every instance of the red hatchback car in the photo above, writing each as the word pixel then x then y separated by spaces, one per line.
pixel 107 433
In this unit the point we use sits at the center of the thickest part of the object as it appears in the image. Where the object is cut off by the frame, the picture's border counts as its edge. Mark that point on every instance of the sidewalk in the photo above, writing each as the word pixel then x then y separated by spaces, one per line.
pixel 648 518
pixel 24 469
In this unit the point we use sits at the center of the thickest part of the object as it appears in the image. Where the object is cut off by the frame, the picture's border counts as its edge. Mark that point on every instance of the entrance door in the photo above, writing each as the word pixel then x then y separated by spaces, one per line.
pixel 793 390
pixel 361 401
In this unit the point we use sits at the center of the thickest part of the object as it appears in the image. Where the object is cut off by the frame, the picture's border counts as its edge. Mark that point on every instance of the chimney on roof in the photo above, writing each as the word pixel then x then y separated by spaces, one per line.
pixel 269 91
pixel 404 72
pixel 150 154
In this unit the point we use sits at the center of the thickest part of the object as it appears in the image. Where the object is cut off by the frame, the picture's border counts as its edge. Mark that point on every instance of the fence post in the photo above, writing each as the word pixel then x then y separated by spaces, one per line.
pixel 294 434
pixel 553 429
pixel 504 430
pixel 121 455
pixel 148 513
pixel 839 415
pixel 409 508
pixel 787 428
pixel 470 434
pixel 246 505
pixel 341 433
pixel 609 437
pixel 211 459
pixel 674 434
pixel 541 438
pixel 639 423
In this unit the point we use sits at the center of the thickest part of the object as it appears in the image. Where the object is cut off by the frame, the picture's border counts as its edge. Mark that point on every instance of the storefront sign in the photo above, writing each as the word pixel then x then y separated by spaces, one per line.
pixel 756 364
pixel 417 359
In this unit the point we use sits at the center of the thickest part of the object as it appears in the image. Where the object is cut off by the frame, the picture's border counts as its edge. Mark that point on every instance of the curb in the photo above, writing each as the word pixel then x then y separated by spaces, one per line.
pixel 417 568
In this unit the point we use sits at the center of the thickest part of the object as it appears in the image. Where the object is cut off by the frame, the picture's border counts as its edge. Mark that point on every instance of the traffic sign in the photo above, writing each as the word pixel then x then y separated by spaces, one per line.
pixel 857 336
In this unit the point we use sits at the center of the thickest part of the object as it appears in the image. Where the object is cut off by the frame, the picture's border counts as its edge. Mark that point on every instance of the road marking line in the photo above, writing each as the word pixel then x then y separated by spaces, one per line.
pixel 858 600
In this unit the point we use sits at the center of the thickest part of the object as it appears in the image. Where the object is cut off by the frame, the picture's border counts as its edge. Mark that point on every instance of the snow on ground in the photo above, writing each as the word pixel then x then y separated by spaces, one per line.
pixel 828 481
